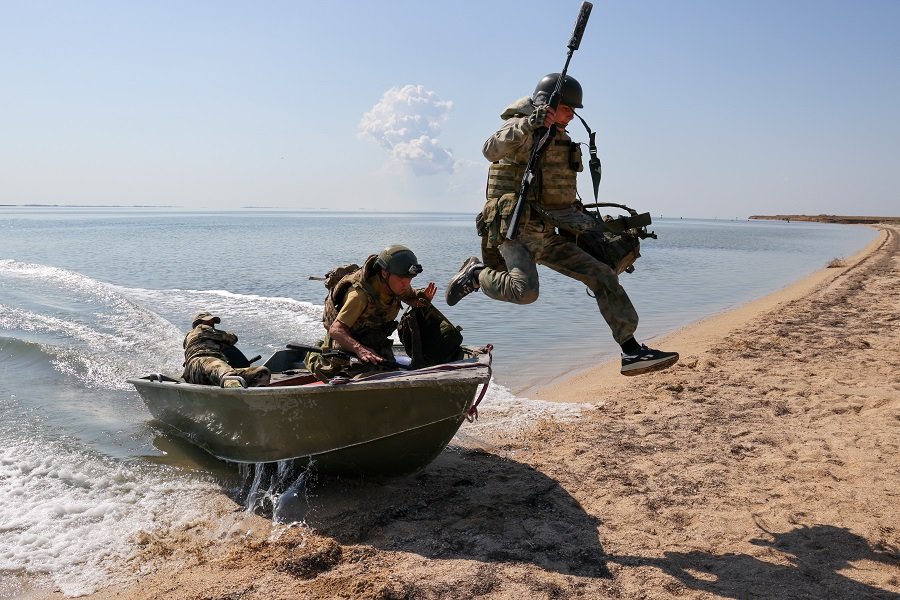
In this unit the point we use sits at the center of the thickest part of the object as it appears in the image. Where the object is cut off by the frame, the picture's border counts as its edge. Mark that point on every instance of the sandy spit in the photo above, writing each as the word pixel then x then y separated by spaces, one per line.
pixel 765 465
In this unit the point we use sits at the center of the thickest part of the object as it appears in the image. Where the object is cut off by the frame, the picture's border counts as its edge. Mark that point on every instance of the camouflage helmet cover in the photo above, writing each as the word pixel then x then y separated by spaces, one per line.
pixel 570 93
pixel 399 260
pixel 204 316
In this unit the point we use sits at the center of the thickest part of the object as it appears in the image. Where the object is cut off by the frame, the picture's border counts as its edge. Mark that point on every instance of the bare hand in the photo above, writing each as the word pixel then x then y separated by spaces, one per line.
pixel 428 292
pixel 341 334
pixel 366 355
pixel 550 119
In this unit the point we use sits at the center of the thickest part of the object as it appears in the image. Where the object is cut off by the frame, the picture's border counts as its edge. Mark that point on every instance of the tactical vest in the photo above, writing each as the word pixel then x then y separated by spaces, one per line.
pixel 377 322
pixel 559 166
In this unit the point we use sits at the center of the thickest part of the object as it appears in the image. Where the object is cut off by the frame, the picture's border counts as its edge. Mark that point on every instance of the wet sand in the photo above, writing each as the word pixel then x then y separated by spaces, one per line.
pixel 766 464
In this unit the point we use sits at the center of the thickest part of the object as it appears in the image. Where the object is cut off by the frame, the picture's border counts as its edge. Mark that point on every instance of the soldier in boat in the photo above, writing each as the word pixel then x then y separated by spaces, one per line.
pixel 205 362
pixel 361 312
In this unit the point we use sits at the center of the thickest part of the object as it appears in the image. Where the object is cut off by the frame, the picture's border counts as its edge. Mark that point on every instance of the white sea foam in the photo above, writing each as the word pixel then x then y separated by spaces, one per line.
pixel 257 320
pixel 70 518
pixel 502 413
pixel 98 335
pixel 99 359
pixel 109 333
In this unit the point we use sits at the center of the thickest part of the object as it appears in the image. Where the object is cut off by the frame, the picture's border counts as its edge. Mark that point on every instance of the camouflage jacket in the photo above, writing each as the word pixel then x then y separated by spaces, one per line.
pixel 206 340
pixel 510 148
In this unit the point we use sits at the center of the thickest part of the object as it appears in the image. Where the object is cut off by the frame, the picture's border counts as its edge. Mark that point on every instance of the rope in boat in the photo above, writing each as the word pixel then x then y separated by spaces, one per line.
pixel 472 415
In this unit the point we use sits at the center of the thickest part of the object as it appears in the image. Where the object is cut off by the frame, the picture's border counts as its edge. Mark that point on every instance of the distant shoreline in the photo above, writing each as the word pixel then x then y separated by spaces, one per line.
pixel 207 209
pixel 844 220
pixel 839 219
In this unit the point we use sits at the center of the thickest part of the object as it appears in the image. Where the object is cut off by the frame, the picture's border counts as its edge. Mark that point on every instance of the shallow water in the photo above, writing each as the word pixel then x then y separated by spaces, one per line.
pixel 90 297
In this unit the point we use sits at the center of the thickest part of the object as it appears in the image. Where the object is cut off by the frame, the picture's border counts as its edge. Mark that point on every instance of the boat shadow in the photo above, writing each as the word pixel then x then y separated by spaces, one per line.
pixel 817 558
pixel 467 504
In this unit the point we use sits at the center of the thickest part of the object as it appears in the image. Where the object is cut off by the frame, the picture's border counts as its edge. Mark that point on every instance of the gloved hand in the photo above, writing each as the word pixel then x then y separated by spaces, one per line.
pixel 537 118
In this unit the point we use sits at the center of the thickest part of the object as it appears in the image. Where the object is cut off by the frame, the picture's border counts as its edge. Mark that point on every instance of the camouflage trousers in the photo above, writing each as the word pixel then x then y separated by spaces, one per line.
pixel 539 244
pixel 327 367
pixel 209 370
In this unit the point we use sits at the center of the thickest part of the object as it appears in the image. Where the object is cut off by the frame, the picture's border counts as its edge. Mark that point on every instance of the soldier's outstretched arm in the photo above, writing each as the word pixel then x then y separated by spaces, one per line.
pixel 340 333
pixel 515 136
pixel 222 337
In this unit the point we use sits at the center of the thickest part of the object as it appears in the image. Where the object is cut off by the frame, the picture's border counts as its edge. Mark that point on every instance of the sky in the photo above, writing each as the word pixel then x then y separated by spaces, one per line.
pixel 702 108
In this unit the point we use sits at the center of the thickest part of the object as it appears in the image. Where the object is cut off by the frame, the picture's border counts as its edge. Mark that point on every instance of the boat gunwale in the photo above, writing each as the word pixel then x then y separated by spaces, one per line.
pixel 403 379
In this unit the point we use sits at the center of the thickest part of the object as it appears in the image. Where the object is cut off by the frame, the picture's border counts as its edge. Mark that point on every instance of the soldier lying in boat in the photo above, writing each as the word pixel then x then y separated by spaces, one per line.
pixel 361 311
pixel 205 362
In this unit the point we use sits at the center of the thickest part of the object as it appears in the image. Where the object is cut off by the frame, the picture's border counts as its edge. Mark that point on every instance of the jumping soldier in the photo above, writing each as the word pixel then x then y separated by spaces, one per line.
pixel 508 268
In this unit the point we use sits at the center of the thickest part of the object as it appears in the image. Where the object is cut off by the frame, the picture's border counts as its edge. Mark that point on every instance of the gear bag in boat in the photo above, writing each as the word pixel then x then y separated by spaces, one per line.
pixel 429 337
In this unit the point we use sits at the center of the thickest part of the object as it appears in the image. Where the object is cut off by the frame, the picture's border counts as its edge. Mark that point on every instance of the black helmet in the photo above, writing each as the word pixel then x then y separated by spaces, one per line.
pixel 570 94
pixel 399 260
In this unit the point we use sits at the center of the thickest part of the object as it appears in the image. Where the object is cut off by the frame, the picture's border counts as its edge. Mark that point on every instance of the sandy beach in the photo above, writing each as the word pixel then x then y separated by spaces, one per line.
pixel 766 464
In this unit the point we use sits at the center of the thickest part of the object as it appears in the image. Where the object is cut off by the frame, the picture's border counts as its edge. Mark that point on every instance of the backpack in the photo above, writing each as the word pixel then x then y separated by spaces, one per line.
pixel 336 274
pixel 429 337
pixel 335 294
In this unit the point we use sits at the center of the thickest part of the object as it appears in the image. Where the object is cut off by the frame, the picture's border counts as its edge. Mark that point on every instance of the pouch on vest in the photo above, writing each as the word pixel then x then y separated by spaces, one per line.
pixel 575 161
pixel 495 216
pixel 506 205
pixel 429 337
pixel 487 223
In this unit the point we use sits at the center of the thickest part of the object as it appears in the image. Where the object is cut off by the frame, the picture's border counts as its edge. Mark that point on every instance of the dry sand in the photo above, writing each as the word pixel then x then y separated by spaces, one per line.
pixel 764 465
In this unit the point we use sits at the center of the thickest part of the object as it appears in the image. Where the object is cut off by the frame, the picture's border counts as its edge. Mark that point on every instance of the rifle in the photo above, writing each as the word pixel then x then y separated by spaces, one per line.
pixel 548 136
pixel 348 356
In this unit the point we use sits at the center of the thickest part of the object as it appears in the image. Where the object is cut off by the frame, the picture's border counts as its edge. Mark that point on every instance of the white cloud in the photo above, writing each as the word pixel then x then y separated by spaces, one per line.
pixel 406 122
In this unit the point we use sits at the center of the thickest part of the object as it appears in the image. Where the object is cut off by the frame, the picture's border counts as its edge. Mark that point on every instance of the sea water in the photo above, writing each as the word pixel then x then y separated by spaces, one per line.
pixel 90 297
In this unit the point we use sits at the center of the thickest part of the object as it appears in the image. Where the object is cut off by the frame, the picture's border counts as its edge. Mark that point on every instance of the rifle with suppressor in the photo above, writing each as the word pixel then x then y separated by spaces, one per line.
pixel 544 142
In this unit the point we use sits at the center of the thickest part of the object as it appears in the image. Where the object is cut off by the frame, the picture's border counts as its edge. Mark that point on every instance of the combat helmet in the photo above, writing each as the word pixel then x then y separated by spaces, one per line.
pixel 204 317
pixel 399 260
pixel 570 93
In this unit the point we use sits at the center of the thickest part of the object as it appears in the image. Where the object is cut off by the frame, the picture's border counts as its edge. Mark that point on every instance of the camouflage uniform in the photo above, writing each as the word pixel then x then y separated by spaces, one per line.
pixel 206 364
pixel 373 327
pixel 511 274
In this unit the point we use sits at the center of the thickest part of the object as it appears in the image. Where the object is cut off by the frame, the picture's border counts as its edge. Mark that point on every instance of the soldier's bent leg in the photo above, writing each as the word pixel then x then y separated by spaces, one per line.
pixel 206 370
pixel 254 376
pixel 519 284
pixel 567 258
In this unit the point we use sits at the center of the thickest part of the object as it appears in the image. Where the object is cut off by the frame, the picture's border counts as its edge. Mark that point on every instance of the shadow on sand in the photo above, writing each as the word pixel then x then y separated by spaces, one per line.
pixel 467 504
pixel 816 554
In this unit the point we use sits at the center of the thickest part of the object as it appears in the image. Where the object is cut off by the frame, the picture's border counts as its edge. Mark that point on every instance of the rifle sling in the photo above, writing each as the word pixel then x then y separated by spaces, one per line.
pixel 594 163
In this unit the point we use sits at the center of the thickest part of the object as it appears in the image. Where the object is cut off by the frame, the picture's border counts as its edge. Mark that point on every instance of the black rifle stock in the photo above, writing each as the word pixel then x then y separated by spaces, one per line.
pixel 513 227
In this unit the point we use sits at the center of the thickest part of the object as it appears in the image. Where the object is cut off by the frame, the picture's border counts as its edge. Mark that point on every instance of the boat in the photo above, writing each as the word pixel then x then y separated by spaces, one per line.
pixel 387 423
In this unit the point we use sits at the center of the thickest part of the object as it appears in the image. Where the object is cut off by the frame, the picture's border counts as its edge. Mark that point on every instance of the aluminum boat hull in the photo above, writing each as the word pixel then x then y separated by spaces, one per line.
pixel 391 423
